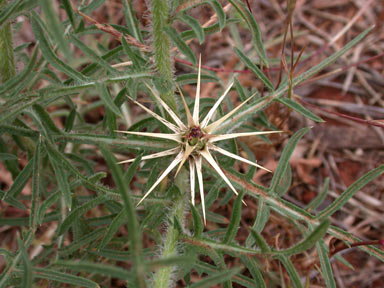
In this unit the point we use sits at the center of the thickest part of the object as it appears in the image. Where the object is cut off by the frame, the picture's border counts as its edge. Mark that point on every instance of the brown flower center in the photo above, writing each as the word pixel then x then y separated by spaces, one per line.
pixel 195 132
pixel 195 137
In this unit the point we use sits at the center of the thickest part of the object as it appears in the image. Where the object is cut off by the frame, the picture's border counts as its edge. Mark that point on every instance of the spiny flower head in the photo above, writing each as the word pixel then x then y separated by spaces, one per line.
pixel 194 141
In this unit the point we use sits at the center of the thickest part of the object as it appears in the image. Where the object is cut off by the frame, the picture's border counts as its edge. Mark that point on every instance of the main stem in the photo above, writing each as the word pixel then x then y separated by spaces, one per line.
pixel 161 45
pixel 7 61
pixel 162 50
pixel 163 276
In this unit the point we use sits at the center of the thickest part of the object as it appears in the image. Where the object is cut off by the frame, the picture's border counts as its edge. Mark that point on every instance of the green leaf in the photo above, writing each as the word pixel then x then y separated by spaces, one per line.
pixel 180 44
pixel 235 219
pixel 106 97
pixel 8 10
pixel 70 121
pixel 285 183
pixel 60 158
pixel 62 181
pixel 300 109
pixel 54 197
pixel 123 142
pixel 19 78
pixel 27 277
pixel 13 202
pixel 48 53
pixel 320 197
pixel 262 216
pixel 128 175
pixel 111 122
pixel 213 193
pixel 309 241
pixel 52 275
pixel 92 6
pixel 350 191
pixel 216 278
pixel 131 20
pixel 284 159
pixel 198 226
pixel 325 264
pixel 87 240
pixel 177 225
pixel 254 28
pixel 293 275
pixel 68 9
pixel 194 24
pixel 115 225
pixel 123 188
pixel 36 183
pixel 232 248
pixel 259 241
pixel 240 90
pixel 92 54
pixel 11 165
pixel 256 70
pixel 250 263
pixel 129 209
pixel 14 108
pixel 20 181
pixel 118 254
pixel 203 267
pixel 6 253
pixel 219 12
pixel 54 25
pixel 45 119
pixel 93 68
pixel 18 131
pixel 189 34
pixel 7 156
pixel 102 268
pixel 121 97
pixel 170 261
pixel 78 211
pixel 344 261
pixel 216 218
pixel 137 61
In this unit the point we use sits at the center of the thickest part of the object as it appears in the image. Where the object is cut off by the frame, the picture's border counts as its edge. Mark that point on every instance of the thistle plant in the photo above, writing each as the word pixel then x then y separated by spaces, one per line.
pixel 96 194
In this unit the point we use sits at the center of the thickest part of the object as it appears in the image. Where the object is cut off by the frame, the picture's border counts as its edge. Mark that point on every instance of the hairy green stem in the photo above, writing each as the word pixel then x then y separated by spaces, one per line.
pixel 162 48
pixel 163 276
pixel 7 61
